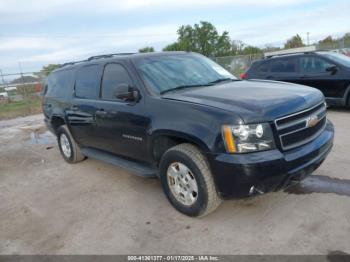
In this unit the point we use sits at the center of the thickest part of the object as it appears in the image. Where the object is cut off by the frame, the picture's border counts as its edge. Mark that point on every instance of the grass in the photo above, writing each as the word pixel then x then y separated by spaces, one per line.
pixel 20 108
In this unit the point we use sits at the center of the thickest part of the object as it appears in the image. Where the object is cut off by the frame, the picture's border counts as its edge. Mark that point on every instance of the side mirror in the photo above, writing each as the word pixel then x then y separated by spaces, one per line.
pixel 126 93
pixel 332 69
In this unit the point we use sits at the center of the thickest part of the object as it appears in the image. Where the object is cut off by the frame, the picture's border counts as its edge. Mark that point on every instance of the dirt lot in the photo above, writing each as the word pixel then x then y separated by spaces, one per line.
pixel 50 207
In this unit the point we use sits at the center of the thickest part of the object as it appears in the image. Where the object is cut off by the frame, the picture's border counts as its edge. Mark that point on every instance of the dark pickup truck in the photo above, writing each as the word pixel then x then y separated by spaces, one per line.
pixel 181 117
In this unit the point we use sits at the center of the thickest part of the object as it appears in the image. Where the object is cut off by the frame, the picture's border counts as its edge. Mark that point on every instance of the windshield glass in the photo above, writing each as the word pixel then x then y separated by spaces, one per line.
pixel 339 58
pixel 166 72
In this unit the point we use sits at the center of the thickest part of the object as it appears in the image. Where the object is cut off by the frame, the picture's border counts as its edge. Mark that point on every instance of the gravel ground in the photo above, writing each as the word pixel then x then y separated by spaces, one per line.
pixel 50 207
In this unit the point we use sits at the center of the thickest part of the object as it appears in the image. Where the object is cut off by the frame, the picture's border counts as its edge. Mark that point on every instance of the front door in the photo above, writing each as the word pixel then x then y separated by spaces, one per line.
pixel 121 126
pixel 314 74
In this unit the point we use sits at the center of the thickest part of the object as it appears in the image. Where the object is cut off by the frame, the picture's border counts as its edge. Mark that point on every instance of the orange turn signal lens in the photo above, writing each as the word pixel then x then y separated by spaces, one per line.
pixel 228 139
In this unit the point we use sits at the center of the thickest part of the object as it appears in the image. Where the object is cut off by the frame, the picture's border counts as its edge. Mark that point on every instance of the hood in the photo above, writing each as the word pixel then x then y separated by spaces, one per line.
pixel 252 100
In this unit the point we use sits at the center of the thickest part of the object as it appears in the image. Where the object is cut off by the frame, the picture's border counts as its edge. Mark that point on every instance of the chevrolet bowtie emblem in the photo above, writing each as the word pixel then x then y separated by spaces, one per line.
pixel 312 121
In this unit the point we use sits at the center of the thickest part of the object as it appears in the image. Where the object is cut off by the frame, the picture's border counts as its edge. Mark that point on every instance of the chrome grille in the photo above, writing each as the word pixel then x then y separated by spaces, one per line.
pixel 302 127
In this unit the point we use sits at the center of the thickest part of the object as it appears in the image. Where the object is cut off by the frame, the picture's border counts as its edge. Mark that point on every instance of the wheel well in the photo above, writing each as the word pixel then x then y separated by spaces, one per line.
pixel 347 96
pixel 162 143
pixel 56 122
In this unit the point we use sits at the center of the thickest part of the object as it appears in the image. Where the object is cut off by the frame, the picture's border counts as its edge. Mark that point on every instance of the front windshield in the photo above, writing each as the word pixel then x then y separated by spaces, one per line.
pixel 339 58
pixel 166 72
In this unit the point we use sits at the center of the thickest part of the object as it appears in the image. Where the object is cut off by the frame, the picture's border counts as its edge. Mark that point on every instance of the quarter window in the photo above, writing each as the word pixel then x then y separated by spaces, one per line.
pixel 87 82
pixel 59 84
pixel 114 76
pixel 311 64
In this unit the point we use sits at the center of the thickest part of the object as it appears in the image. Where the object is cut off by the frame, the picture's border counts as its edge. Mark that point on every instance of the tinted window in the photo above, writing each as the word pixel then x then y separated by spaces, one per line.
pixel 59 84
pixel 287 65
pixel 87 82
pixel 114 75
pixel 313 64
pixel 263 68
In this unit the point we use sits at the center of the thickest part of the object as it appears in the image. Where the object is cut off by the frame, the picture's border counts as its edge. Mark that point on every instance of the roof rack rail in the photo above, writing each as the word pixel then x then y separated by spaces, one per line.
pixel 305 50
pixel 72 63
pixel 107 56
pixel 93 58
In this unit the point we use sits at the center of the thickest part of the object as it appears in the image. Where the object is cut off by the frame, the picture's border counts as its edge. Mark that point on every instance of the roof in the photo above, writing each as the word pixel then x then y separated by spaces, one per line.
pixel 117 56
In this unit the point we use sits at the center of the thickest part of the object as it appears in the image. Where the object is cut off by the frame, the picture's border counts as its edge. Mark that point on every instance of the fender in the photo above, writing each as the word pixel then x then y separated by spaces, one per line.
pixel 176 134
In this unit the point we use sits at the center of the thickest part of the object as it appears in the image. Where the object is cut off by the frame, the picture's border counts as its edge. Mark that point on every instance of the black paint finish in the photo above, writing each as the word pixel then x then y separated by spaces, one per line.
pixel 129 129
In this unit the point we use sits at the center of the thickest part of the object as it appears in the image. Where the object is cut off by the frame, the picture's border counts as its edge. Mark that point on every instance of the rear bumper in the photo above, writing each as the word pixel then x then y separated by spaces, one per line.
pixel 268 171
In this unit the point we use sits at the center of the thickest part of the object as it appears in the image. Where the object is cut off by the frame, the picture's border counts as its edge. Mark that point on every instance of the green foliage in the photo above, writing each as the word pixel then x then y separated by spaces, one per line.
pixel 327 40
pixel 147 49
pixel 294 42
pixel 20 108
pixel 46 70
pixel 252 50
pixel 202 38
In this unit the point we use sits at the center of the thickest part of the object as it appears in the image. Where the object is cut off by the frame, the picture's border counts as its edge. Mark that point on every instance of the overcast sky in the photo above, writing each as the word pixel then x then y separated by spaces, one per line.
pixel 39 32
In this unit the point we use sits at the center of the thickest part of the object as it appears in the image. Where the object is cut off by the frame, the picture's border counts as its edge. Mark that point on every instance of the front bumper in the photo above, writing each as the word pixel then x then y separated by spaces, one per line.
pixel 268 171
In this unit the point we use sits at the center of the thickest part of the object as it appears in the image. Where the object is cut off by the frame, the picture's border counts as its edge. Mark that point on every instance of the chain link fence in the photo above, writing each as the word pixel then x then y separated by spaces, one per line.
pixel 20 95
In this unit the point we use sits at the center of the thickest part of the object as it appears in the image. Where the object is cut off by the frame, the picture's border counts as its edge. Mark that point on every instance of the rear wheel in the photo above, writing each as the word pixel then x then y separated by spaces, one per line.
pixel 69 149
pixel 187 181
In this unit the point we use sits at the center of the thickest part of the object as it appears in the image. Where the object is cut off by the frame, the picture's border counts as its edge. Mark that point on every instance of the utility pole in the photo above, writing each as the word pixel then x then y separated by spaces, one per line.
pixel 308 38
pixel 3 80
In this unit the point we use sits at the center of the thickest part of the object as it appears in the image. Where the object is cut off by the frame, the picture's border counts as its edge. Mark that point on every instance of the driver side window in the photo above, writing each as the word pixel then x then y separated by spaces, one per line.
pixel 313 65
pixel 114 76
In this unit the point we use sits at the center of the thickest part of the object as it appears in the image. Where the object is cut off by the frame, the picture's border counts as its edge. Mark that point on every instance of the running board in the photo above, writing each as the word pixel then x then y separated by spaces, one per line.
pixel 137 168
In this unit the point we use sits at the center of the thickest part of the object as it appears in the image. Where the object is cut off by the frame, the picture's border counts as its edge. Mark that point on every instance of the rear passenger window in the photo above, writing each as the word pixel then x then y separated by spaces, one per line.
pixel 114 75
pixel 87 82
pixel 310 64
pixel 263 68
pixel 59 84
pixel 287 65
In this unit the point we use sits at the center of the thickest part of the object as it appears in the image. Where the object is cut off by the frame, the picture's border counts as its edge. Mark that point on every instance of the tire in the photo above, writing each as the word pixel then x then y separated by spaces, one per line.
pixel 173 164
pixel 65 142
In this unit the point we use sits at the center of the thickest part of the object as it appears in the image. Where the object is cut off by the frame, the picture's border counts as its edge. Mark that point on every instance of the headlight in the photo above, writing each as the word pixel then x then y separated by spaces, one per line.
pixel 247 138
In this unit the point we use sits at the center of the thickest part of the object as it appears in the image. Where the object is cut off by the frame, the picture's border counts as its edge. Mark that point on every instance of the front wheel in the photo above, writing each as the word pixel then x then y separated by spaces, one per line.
pixel 187 181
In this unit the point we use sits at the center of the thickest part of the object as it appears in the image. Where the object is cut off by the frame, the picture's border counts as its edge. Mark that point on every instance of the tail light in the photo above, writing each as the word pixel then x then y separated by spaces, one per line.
pixel 243 76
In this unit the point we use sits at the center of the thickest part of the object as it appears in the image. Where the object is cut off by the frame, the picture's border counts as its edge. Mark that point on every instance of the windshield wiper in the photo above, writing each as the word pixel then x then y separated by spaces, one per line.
pixel 222 80
pixel 183 87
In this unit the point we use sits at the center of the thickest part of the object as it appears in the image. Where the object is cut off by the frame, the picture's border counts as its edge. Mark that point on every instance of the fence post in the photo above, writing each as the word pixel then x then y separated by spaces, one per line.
pixel 3 80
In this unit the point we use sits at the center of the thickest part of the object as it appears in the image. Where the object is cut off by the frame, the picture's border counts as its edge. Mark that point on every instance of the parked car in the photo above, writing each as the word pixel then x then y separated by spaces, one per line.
pixel 181 117
pixel 327 71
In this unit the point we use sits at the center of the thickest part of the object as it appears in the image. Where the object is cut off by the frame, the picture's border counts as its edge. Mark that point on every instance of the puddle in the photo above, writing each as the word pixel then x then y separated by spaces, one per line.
pixel 42 138
pixel 321 184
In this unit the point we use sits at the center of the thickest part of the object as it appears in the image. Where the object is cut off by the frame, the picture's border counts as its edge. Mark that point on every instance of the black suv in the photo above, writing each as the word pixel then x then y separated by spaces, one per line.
pixel 326 71
pixel 180 117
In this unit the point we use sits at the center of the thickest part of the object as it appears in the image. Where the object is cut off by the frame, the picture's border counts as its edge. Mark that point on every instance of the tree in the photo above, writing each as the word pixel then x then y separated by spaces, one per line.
pixel 251 50
pixel 147 49
pixel 237 47
pixel 294 42
pixel 327 41
pixel 46 70
pixel 270 48
pixel 202 38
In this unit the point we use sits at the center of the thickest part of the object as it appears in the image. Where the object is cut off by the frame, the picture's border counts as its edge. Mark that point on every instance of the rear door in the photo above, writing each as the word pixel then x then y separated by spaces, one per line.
pixel 314 74
pixel 121 126
pixel 283 69
pixel 81 114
